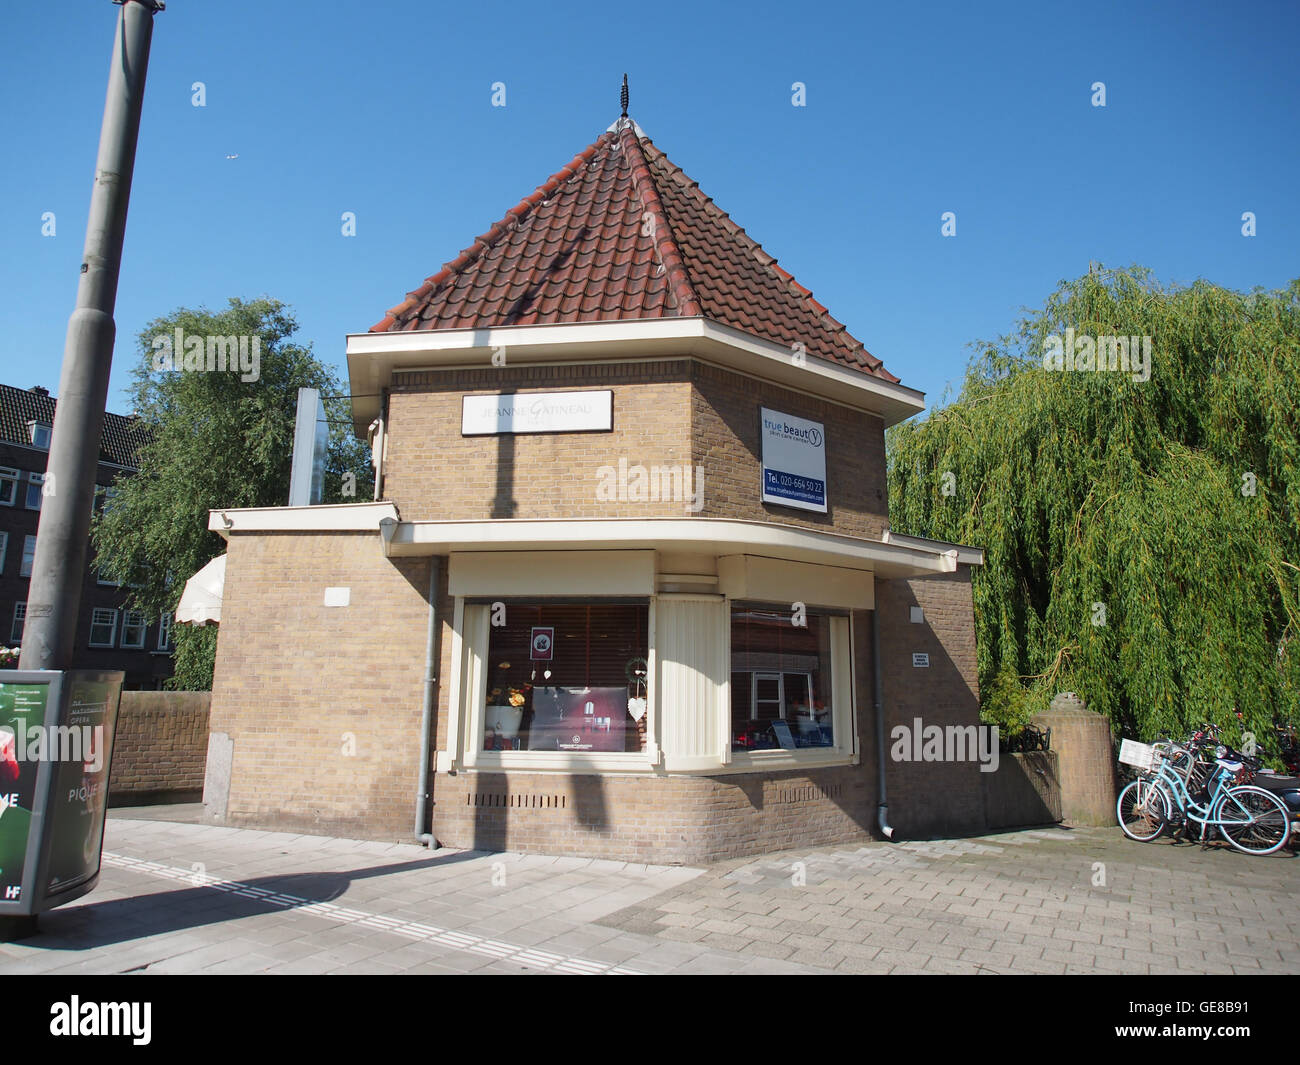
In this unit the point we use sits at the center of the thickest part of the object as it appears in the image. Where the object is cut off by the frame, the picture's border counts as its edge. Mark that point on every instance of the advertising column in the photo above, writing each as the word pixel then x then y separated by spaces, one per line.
pixel 56 748
pixel 22 715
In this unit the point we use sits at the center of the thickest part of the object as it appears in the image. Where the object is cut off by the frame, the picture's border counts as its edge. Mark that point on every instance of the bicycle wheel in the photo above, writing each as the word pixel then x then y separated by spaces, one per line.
pixel 1254 820
pixel 1142 810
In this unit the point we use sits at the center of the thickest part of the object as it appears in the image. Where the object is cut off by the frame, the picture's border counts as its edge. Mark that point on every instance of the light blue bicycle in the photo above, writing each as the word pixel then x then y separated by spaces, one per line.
pixel 1252 819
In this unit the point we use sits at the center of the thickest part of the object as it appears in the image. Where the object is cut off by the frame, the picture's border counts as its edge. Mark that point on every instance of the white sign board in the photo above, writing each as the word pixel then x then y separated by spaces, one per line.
pixel 537 412
pixel 920 661
pixel 311 437
pixel 794 461
pixel 1137 754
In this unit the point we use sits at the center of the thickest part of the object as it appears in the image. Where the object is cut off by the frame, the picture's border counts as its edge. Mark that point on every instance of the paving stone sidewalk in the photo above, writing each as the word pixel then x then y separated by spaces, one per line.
pixel 184 897
pixel 190 898
pixel 1042 901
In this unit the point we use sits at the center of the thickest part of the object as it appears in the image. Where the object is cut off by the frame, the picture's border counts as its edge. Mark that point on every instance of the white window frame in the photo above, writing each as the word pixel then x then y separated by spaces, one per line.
pixel 13 477
pixel 32 426
pixel 24 568
pixel 845 749
pixel 142 625
pixel 20 619
pixel 165 625
pixel 4 549
pixel 93 623
pixel 469 691
pixel 34 480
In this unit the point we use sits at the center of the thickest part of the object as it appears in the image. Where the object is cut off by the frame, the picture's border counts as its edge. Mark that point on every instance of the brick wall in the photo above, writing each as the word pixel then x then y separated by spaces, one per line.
pixel 1089 782
pixel 930 797
pixel 726 442
pixel 653 819
pixel 432 472
pixel 321 704
pixel 159 748
pixel 669 413
pixel 1025 789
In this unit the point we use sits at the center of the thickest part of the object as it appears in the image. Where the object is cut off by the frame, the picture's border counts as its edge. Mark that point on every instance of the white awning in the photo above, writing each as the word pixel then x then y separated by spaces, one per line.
pixel 201 599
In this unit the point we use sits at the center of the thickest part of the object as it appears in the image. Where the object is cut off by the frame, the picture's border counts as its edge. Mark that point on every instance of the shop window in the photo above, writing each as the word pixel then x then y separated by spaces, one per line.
pixel 566 677
pixel 29 556
pixel 781 684
pixel 133 629
pixel 8 486
pixel 16 630
pixel 103 627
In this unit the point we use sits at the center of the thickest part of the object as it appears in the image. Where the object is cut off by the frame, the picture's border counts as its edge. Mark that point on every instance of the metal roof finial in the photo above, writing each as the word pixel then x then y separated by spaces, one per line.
pixel 622 97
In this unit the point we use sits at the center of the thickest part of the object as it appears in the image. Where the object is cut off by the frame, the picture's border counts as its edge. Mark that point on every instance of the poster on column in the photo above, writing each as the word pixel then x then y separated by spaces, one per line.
pixel 23 708
pixel 794 461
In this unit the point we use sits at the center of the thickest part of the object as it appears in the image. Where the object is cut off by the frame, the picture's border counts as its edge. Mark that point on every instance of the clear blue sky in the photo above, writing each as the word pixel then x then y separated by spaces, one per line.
pixel 384 109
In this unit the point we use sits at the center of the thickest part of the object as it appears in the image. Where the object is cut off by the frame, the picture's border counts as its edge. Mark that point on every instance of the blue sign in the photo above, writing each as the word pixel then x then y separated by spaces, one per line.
pixel 780 485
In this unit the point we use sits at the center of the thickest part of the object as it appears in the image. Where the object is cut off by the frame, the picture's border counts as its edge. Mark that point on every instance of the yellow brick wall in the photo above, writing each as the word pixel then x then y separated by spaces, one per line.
pixel 669 413
pixel 295 680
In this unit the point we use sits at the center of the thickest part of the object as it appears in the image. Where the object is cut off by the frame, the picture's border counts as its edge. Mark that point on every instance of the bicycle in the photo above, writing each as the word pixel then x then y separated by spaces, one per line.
pixel 1250 818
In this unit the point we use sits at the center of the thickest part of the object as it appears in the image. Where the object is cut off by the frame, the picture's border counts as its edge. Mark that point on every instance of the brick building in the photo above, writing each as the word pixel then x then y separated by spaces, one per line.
pixel 630 554
pixel 109 636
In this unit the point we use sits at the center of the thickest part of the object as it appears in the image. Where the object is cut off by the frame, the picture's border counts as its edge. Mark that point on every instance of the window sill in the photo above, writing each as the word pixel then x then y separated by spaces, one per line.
pixel 563 761
pixel 646 763
pixel 780 759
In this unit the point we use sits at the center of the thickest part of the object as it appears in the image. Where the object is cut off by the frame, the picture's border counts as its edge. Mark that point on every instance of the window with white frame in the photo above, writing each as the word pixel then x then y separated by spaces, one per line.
pixel 8 486
pixel 29 556
pixel 782 690
pixel 40 435
pixel 165 633
pixel 4 549
pixel 35 490
pixel 103 626
pixel 134 627
pixel 16 629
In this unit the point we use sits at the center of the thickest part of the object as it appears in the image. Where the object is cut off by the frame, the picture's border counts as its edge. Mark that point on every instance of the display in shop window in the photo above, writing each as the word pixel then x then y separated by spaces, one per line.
pixel 580 688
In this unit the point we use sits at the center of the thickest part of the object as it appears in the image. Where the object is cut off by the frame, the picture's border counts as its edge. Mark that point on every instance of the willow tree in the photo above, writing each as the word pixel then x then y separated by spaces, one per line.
pixel 1141 525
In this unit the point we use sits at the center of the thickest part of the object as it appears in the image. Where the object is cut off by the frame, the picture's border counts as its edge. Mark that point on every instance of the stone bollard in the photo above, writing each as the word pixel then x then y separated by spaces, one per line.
pixel 1081 739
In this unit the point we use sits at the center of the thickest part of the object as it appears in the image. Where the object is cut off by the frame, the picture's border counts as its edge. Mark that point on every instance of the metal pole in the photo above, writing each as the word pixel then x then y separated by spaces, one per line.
pixel 61 537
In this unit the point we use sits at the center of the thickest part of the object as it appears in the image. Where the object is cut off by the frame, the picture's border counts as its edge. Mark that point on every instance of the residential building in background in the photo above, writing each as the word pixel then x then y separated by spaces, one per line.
pixel 109 636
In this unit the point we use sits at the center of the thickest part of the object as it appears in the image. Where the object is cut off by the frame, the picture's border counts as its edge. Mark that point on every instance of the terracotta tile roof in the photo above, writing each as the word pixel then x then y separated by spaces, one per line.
pixel 120 442
pixel 621 233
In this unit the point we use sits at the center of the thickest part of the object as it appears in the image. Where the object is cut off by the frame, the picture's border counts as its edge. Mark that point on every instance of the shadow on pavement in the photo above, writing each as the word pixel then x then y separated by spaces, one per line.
pixel 115 921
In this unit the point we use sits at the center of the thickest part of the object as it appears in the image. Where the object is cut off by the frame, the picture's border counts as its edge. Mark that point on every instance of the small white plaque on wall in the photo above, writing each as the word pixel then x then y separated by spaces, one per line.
pixel 918 615
pixel 920 661
pixel 338 596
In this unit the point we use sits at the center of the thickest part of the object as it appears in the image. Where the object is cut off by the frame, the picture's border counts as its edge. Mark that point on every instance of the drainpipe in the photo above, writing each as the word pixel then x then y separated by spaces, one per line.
pixel 882 803
pixel 427 714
